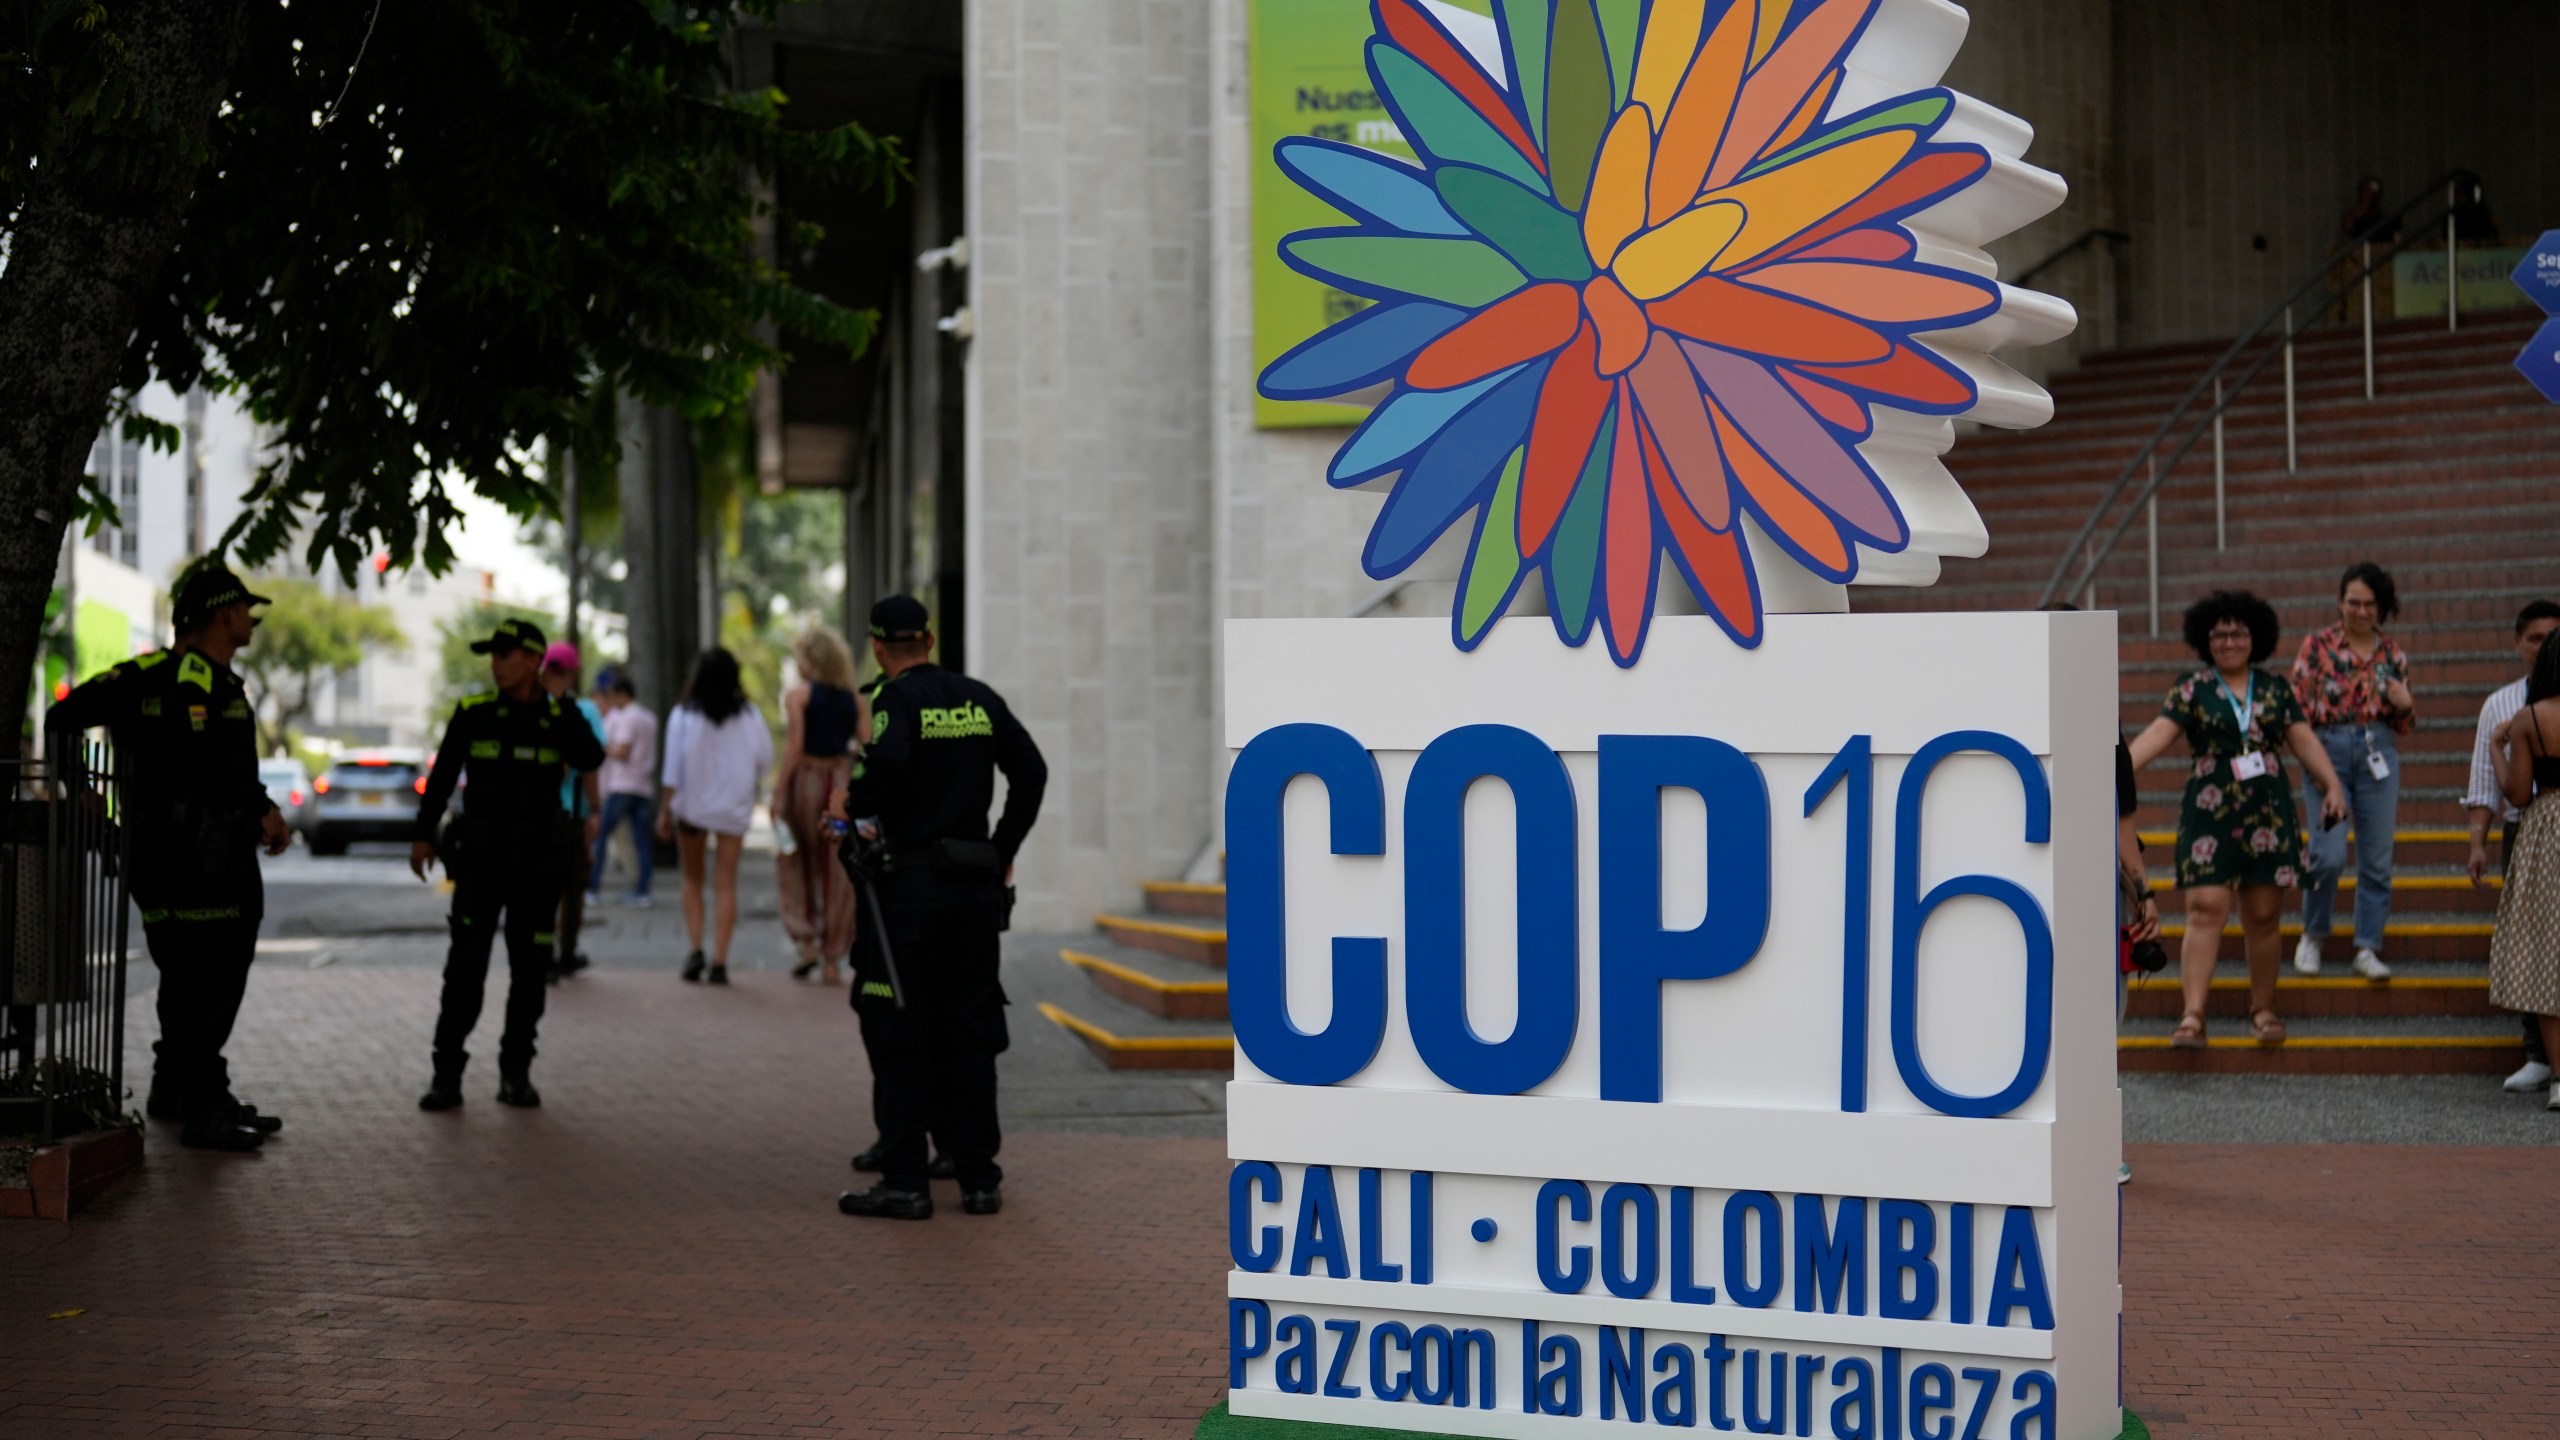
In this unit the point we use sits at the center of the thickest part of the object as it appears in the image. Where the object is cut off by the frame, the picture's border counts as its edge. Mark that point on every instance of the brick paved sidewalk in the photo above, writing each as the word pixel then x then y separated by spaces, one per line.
pixel 656 1253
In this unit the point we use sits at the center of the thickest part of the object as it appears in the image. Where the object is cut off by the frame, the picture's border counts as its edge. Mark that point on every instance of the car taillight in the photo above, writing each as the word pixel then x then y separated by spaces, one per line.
pixel 320 786
pixel 421 785
pixel 293 796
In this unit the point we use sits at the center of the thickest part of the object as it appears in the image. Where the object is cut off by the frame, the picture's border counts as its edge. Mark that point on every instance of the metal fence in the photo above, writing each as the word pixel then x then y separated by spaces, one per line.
pixel 63 863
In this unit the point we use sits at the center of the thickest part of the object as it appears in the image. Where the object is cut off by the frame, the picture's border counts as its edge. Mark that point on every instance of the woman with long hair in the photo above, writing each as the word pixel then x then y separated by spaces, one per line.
pixel 2524 954
pixel 820 723
pixel 2238 833
pixel 717 753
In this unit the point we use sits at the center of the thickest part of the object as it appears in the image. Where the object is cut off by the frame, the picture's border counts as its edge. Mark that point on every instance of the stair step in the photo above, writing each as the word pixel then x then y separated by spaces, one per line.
pixel 1162 1045
pixel 2157 997
pixel 1140 978
pixel 1195 897
pixel 1197 943
pixel 2334 1045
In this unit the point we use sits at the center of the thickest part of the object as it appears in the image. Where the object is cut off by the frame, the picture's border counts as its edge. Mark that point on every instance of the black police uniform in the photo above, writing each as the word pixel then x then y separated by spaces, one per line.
pixel 935 1027
pixel 187 744
pixel 504 856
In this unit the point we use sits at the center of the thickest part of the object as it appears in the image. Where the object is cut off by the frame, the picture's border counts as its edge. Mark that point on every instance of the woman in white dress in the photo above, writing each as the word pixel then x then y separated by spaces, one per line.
pixel 717 755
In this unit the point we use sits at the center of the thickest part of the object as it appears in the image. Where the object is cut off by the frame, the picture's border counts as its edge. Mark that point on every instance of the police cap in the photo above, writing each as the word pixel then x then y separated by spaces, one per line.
pixel 205 589
pixel 511 635
pixel 899 617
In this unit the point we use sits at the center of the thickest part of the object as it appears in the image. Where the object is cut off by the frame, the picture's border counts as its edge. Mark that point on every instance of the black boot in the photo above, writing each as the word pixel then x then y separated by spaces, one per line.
pixel 217 1131
pixel 445 1092
pixel 887 1204
pixel 515 1087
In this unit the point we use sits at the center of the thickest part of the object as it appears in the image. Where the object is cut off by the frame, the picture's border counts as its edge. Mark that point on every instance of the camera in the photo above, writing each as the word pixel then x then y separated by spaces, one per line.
pixel 2150 957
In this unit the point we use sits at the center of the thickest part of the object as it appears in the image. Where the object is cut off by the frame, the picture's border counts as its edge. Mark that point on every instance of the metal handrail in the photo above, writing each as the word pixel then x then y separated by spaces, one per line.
pixel 2093 559
pixel 2066 249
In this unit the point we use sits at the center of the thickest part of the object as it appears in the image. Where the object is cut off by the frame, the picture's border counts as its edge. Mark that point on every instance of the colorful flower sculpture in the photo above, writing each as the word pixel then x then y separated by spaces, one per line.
pixel 1627 300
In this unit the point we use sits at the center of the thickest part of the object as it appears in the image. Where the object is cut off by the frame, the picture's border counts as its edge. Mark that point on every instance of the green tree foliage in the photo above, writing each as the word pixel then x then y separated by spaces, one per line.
pixel 304 640
pixel 415 239
pixel 458 671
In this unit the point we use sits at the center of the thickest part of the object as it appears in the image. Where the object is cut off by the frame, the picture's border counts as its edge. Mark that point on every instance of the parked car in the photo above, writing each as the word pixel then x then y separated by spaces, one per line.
pixel 289 785
pixel 370 795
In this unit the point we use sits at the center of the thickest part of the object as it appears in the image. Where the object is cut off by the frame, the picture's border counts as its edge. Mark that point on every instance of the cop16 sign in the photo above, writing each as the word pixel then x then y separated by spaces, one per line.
pixel 1723 1043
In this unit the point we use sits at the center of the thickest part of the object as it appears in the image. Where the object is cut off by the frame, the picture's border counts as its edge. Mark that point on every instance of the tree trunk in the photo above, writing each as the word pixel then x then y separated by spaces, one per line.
pixel 97 224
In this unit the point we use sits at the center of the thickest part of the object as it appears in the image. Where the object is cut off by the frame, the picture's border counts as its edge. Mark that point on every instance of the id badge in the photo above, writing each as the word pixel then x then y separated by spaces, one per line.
pixel 2378 763
pixel 2250 765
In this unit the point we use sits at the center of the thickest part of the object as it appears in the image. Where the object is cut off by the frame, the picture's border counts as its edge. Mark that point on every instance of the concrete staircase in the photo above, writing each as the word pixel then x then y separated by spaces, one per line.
pixel 2446 478
pixel 1159 983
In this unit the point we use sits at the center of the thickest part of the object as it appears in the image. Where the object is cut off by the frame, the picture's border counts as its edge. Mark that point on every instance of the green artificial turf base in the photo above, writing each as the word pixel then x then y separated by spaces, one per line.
pixel 1219 1425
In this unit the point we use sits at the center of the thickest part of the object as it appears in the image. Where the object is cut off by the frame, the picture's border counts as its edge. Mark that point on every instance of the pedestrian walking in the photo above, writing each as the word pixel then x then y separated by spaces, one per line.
pixel 629 780
pixel 927 992
pixel 820 719
pixel 2239 836
pixel 502 852
pixel 717 754
pixel 187 743
pixel 580 802
pixel 2353 682
pixel 2483 797
pixel 2524 954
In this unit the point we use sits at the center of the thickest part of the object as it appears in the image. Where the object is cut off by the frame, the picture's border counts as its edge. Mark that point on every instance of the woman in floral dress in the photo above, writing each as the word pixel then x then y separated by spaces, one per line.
pixel 2237 827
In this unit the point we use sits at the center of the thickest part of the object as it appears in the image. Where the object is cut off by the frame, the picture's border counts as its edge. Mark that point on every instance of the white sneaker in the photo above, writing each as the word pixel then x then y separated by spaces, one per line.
pixel 2124 1173
pixel 2532 1077
pixel 2370 966
pixel 2554 1102
pixel 2306 956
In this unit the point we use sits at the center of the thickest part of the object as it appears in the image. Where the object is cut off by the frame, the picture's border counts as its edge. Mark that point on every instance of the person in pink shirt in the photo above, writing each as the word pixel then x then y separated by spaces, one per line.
pixel 629 780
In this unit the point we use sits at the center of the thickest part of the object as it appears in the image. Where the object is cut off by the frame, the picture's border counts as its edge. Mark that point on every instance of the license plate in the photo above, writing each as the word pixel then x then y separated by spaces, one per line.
pixel 369 797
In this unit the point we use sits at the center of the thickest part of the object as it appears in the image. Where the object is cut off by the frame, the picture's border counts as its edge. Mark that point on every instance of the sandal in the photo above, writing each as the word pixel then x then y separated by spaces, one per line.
pixel 2267 1027
pixel 2190 1032
pixel 832 977
pixel 802 970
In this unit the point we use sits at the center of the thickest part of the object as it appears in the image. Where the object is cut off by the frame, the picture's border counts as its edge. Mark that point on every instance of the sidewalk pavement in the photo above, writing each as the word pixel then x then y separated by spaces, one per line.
pixel 657 1252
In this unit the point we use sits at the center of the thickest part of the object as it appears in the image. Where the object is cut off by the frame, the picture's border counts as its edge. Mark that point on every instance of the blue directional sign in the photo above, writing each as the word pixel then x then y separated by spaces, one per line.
pixel 2538 274
pixel 2540 361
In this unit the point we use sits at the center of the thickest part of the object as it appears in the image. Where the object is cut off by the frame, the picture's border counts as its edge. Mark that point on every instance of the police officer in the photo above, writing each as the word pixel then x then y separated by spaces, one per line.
pixel 931 1005
pixel 503 853
pixel 187 743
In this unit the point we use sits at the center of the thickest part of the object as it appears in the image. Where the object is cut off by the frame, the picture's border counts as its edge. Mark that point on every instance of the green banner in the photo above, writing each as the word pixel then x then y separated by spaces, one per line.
pixel 1310 77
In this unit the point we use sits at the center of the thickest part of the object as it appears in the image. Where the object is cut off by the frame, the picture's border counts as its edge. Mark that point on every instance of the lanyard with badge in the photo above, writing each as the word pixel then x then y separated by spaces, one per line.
pixel 2248 764
pixel 2376 763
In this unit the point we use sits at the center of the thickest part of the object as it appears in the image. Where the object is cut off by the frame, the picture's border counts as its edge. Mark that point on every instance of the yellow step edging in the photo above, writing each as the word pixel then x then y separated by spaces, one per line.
pixel 1144 981
pixel 2334 1042
pixel 1087 1030
pixel 1184 887
pixel 2398 883
pixel 2398 837
pixel 2442 929
pixel 1201 934
pixel 2169 982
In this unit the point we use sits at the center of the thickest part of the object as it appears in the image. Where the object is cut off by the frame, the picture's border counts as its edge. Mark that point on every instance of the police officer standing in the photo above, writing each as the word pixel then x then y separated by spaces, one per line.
pixel 187 744
pixel 929 998
pixel 503 853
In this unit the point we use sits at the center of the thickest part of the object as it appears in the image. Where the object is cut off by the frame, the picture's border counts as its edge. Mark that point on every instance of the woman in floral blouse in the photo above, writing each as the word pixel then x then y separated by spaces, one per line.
pixel 2237 829
pixel 2354 686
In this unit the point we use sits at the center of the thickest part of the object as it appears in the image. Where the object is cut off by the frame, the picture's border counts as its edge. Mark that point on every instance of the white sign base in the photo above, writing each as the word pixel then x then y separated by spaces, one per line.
pixel 1726 1043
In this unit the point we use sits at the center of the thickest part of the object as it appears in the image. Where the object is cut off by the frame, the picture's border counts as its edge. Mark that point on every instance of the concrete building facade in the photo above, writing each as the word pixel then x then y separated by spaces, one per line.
pixel 1119 503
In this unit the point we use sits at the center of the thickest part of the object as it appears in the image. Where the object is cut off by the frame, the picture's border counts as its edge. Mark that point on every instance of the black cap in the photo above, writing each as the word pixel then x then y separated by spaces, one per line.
pixel 205 589
pixel 899 617
pixel 511 635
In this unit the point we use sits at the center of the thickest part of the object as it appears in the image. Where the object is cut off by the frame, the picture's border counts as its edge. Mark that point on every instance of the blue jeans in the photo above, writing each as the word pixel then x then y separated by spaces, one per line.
pixel 639 810
pixel 2373 808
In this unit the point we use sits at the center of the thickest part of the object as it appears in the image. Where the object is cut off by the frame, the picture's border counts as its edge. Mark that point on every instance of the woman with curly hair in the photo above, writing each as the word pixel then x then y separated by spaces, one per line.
pixel 823 721
pixel 2237 827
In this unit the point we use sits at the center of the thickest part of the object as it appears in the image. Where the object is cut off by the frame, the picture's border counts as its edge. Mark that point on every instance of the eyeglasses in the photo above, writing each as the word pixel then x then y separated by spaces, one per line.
pixel 2230 637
